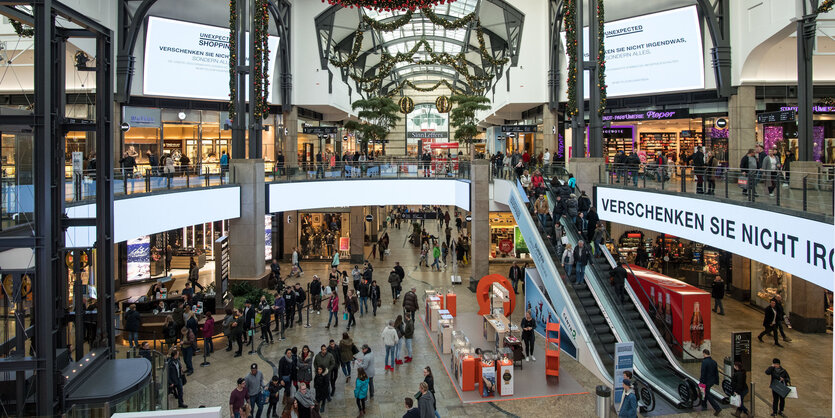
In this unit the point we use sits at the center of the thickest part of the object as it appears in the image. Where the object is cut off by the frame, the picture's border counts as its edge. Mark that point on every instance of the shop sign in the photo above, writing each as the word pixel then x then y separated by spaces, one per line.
pixel 124 126
pixel 624 356
pixel 172 144
pixel 141 117
pixel 519 128
pixel 543 311
pixel 815 109
pixel 794 244
pixel 721 123
pixel 369 218
pixel 506 246
pixel 649 115
pixel 468 218
pixel 427 134
pixel 619 132
pixel 519 241
pixel 741 348
pixel 319 130
pixel 776 117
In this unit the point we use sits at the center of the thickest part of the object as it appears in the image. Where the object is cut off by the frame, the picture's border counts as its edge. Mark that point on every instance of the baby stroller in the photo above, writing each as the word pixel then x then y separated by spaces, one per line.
pixel 295 272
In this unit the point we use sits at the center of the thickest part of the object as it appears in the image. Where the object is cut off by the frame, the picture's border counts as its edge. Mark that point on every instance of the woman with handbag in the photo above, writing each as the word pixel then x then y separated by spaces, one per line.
pixel 779 387
pixel 346 355
pixel 305 373
pixel 333 310
pixel 376 299
pixel 351 307
pixel 740 388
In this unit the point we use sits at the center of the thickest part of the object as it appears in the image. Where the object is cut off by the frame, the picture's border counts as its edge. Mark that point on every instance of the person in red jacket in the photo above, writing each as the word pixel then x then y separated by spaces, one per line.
pixel 208 332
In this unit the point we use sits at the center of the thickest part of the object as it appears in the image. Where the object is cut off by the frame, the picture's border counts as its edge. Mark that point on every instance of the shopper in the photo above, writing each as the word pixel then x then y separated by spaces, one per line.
pixel 629 405
pixel 227 328
pixel 399 327
pixel 394 282
pixel 708 377
pixel 132 322
pixel 718 292
pixel 239 399
pixel 351 307
pixel 710 172
pixel 697 160
pixel 176 377
pixel 361 388
pixel 571 209
pixel 770 168
pixel 411 410
pixel 295 260
pixel 266 314
pixel 356 275
pixel 389 337
pixel 779 375
pixel 375 295
pixel 568 260
pixel 208 333
pixel 327 362
pixel 333 310
pixel 581 258
pixel 426 401
pixel 740 387
pixel 781 316
pixel 366 362
pixel 279 308
pixel 408 336
pixel 347 349
pixel 436 254
pixel 289 306
pixel 286 371
pixel 249 321
pixel 304 368
pixel 748 166
pixel 254 387
pixel 528 326
pixel 542 209
pixel 333 373
pixel 305 399
pixel 301 298
pixel 770 322
pixel 410 302
pixel 618 276
pixel 363 296
pixel 274 390
pixel 515 276
pixel 322 387
pixel 316 294
pixel 187 343
pixel 238 332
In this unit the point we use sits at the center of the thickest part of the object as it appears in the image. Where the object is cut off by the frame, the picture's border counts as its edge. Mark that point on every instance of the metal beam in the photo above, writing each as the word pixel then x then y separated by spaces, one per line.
pixel 555 13
pixel 14 13
pixel 717 17
pixel 125 59
pixel 806 29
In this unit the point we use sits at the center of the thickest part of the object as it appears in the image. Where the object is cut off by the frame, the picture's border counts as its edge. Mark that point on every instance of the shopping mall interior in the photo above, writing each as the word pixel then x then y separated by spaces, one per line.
pixel 419 208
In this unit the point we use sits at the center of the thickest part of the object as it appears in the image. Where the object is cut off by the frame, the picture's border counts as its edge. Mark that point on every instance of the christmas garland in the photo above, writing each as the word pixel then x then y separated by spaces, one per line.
pixel 20 30
pixel 388 27
pixel 233 57
pixel 355 51
pixel 601 58
pixel 483 48
pixel 447 24
pixel 571 49
pixel 388 5
pixel 829 102
pixel 826 6
pixel 262 60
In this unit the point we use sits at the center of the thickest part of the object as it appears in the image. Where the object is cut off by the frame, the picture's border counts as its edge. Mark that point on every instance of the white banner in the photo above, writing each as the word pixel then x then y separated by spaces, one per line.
pixel 799 246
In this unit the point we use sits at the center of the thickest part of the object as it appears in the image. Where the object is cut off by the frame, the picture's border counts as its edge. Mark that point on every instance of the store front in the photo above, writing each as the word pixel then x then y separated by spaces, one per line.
pixel 191 137
pixel 777 128
pixel 322 233
pixel 506 242
pixel 314 138
pixel 521 139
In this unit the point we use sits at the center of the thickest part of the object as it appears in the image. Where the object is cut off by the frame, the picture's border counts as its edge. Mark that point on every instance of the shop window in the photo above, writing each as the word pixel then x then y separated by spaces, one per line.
pixel 768 282
pixel 321 233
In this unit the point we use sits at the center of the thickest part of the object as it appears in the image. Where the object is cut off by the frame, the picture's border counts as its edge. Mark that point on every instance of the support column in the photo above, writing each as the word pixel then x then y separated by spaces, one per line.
pixel 740 277
pixel 806 314
pixel 587 172
pixel 550 130
pixel 480 212
pixel 291 138
pixel 357 234
pixel 246 233
pixel 806 28
pixel 291 234
pixel 372 227
pixel 742 111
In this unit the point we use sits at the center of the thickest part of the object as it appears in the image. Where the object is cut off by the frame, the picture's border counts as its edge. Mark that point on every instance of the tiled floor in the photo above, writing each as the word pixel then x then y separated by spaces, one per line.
pixel 808 358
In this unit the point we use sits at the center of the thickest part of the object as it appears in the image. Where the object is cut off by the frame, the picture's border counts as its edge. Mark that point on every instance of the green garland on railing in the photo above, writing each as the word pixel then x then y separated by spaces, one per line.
pixel 826 6
pixel 20 30
pixel 448 24
pixel 233 57
pixel 483 48
pixel 601 58
pixel 355 51
pixel 571 49
pixel 260 78
pixel 388 27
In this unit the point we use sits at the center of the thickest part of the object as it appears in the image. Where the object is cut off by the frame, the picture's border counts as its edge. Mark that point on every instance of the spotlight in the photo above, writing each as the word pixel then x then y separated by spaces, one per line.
pixel 81 60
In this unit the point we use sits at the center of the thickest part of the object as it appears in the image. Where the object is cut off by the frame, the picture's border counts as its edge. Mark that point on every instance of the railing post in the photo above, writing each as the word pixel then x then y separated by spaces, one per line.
pixel 148 181
pixel 188 178
pixel 727 174
pixel 779 186
pixel 125 181
pixel 645 178
pixel 805 179
pixel 168 180
pixel 206 170
pixel 663 173
pixel 684 179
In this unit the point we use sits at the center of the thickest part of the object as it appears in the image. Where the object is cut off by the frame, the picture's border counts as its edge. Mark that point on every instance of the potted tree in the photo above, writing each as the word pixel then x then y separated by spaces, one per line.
pixel 463 116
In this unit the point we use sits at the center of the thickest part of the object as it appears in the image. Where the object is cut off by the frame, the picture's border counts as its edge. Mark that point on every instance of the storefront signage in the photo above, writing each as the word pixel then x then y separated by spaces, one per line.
pixel 511 134
pixel 776 117
pixel 419 215
pixel 619 132
pixel 519 128
pixel 369 218
pixel 815 109
pixel 427 134
pixel 741 348
pixel 344 243
pixel 319 130
pixel 796 245
pixel 505 246
pixel 468 218
pixel 649 114
pixel 172 144
pixel 624 356
pixel 141 117
pixel 124 126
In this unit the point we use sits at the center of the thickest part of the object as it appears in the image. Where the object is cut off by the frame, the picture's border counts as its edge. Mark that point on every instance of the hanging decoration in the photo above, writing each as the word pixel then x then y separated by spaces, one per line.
pixel 407 105
pixel 826 6
pixel 448 24
pixel 443 104
pixel 387 5
pixel 828 102
pixel 483 48
pixel 260 77
pixel 23 32
pixel 571 48
pixel 388 27
pixel 601 58
pixel 434 87
pixel 233 56
pixel 355 51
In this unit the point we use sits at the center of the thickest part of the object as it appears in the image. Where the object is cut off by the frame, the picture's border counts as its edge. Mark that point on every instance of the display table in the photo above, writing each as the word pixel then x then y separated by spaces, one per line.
pixel 184 261
pixel 495 328
pixel 445 325
pixel 432 315
pixel 451 303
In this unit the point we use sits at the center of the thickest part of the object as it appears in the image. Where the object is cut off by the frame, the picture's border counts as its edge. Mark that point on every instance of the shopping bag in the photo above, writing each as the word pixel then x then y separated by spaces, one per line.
pixel 702 389
pixel 344 316
pixel 736 400
pixel 780 388
pixel 742 182
pixel 792 392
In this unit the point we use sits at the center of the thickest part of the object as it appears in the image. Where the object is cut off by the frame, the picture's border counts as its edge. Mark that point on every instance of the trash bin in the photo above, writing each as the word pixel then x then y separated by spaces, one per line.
pixel 603 408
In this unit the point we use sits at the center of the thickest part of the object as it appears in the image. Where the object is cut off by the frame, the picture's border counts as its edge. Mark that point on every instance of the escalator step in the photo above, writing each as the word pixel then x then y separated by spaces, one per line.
pixel 583 293
pixel 593 311
pixel 601 330
pixel 607 339
pixel 597 320
pixel 588 302
pixel 645 333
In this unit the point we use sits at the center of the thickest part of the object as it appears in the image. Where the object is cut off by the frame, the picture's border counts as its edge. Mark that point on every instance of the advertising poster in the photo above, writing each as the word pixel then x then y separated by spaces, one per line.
pixel 677 306
pixel 542 312
pixel 624 355
pixel 519 241
pixel 344 243
pixel 488 374
pixel 139 258
pixel 268 237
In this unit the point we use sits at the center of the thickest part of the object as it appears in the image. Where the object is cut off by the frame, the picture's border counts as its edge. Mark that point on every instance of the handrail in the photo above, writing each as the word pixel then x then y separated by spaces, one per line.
pixel 342 170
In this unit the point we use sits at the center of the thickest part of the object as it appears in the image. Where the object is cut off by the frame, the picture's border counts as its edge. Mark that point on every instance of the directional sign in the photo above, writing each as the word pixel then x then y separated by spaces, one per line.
pixel 124 126
pixel 369 218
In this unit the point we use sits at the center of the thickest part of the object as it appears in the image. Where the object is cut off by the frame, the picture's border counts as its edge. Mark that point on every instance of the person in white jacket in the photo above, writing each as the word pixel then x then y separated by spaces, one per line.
pixel 568 260
pixel 390 340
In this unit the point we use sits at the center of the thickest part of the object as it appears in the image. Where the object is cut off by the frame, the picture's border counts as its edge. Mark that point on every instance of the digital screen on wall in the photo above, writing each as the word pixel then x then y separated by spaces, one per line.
pixel 139 258
pixel 184 59
pixel 654 53
pixel 268 237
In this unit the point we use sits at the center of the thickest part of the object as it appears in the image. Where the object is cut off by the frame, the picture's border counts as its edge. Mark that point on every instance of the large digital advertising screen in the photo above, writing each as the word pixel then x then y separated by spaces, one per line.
pixel 184 59
pixel 654 53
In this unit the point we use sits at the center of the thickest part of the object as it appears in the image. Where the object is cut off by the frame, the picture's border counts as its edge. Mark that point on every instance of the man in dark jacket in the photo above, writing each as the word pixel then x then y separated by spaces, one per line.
pixel 697 160
pixel 581 258
pixel 777 373
pixel 132 321
pixel 399 269
pixel 559 210
pixel 175 378
pixel 249 320
pixel 395 281
pixel 619 281
pixel 591 220
pixel 289 306
pixel 709 376
pixel 301 298
pixel 515 275
pixel 770 323
pixel 583 203
pixel 316 294
pixel 411 411
pixel 410 302
pixel 633 163
pixel 620 162
pixel 718 292
pixel 781 316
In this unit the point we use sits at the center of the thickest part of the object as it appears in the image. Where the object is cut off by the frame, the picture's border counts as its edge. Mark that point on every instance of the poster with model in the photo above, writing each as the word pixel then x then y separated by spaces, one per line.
pixel 268 237
pixel 543 312
pixel 676 311
pixel 139 258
